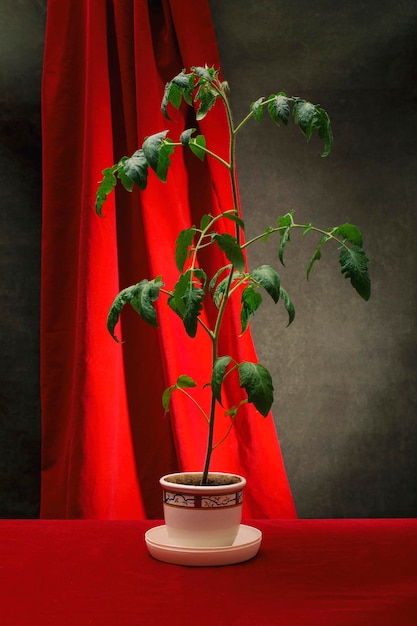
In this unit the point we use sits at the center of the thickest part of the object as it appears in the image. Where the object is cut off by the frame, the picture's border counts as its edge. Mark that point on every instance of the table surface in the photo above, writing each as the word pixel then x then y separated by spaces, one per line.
pixel 307 572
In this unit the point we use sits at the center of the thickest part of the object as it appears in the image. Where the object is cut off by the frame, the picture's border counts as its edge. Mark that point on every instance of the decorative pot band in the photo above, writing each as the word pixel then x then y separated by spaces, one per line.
pixel 198 501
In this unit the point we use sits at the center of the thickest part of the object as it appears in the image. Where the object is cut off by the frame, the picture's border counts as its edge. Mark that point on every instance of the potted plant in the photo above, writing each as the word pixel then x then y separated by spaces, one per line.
pixel 202 88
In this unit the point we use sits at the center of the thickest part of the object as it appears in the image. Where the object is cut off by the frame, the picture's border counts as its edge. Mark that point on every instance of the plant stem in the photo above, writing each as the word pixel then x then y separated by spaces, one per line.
pixel 233 182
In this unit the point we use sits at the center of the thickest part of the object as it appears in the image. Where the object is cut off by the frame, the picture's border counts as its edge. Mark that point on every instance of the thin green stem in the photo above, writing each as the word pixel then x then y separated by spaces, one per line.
pixel 200 408
pixel 268 232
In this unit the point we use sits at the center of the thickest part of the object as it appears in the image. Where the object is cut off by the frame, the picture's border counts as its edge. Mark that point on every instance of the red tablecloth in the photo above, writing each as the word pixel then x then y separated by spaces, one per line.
pixel 308 572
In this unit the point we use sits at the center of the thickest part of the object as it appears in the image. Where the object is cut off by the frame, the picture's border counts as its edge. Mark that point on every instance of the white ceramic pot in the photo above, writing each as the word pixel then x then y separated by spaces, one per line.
pixel 202 515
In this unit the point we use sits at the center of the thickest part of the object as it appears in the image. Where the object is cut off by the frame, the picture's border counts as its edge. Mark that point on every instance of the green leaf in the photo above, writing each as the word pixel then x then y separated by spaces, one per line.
pixel 257 382
pixel 288 305
pixel 221 287
pixel 127 182
pixel 322 124
pixel 175 89
pixel 354 265
pixel 186 136
pixel 183 242
pixel 349 232
pixel 219 368
pixel 257 109
pixel 232 250
pixel 185 382
pixel 105 187
pixel 316 255
pixel 285 222
pixel 192 298
pixel 312 118
pixel 166 397
pixel 266 276
pixel 136 168
pixel 157 150
pixel 176 301
pixel 268 231
pixel 144 294
pixel 196 146
pixel 284 239
pixel 207 98
pixel 186 301
pixel 216 276
pixel 303 116
pixel 251 300
pixel 141 297
pixel 208 74
pixel 279 108
pixel 205 221
pixel 234 218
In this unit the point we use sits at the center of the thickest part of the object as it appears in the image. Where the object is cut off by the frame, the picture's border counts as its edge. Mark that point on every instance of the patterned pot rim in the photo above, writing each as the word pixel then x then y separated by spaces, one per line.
pixel 172 482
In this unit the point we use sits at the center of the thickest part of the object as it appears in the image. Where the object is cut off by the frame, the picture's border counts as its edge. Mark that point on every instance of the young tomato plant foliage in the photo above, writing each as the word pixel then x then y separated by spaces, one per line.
pixel 202 89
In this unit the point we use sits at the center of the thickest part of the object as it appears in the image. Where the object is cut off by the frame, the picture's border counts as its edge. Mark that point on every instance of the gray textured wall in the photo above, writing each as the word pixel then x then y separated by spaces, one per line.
pixel 345 370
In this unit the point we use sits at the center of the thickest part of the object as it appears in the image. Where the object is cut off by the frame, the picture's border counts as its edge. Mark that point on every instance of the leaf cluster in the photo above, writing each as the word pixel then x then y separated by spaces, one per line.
pixel 201 88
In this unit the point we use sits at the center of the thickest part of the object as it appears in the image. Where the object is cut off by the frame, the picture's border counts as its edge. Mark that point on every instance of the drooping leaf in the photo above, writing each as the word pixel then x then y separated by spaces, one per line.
pixel 266 276
pixel 257 382
pixel 205 221
pixel 285 223
pixel 316 255
pixel 207 98
pixel 127 182
pixel 183 382
pixel 166 397
pixel 141 297
pixel 221 288
pixel 157 150
pixel 257 109
pixel 322 124
pixel 310 118
pixel 351 233
pixel 234 218
pixel 196 146
pixel 284 239
pixel 217 377
pixel 105 187
pixel 144 295
pixel 175 89
pixel 136 168
pixel 183 243
pixel 176 301
pixel 186 136
pixel 303 116
pixel 288 305
pixel 232 250
pixel 251 300
pixel 186 300
pixel 193 299
pixel 207 73
pixel 279 108
pixel 354 265
pixel 216 277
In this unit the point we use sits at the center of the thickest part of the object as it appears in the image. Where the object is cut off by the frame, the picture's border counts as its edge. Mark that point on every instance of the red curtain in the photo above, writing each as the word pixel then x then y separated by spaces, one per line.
pixel 106 440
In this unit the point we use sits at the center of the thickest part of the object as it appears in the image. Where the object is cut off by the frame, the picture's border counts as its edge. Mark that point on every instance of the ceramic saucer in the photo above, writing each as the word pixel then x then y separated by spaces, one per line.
pixel 245 547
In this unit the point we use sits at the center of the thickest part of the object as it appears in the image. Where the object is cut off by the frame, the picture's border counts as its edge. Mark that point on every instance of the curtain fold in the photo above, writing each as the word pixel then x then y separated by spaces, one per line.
pixel 105 438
